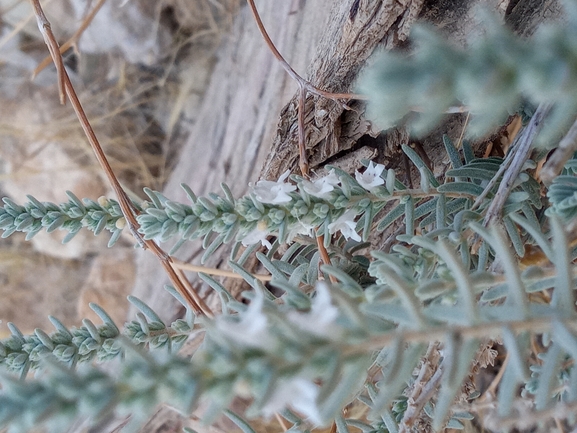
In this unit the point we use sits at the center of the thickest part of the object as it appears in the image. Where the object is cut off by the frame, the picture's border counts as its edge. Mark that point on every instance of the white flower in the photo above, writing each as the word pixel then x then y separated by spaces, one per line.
pixel 299 228
pixel 371 178
pixel 321 318
pixel 322 186
pixel 252 329
pixel 346 225
pixel 258 234
pixel 299 393
pixel 274 192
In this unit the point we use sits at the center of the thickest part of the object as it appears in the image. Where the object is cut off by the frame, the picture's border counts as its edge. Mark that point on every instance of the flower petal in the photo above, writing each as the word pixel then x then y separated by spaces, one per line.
pixel 269 192
pixel 299 393
pixel 346 225
pixel 321 186
pixel 252 330
pixel 255 236
pixel 371 178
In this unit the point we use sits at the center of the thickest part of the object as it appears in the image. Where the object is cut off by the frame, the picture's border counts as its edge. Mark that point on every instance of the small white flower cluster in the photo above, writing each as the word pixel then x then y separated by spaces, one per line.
pixel 322 186
pixel 346 225
pixel 268 192
pixel 254 330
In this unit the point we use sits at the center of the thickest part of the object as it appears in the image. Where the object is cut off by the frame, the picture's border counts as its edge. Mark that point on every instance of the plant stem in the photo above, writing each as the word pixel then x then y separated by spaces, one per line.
pixel 128 209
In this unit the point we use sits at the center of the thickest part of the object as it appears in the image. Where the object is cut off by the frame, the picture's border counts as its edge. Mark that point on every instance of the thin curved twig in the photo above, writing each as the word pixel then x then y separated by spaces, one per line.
pixel 304 88
pixel 511 167
pixel 129 211
pixel 565 150
pixel 214 271
pixel 288 68
pixel 517 159
pixel 423 387
pixel 73 39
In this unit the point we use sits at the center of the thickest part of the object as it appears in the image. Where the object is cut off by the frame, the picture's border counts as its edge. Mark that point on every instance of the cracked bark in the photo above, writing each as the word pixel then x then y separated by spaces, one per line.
pixel 356 29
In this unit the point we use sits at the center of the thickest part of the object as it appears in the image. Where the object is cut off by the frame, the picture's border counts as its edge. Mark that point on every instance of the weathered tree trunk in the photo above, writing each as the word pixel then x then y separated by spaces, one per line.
pixel 239 126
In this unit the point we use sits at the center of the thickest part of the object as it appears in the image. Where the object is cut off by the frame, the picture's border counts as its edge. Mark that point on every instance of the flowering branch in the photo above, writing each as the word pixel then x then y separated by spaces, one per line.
pixel 333 204
pixel 21 353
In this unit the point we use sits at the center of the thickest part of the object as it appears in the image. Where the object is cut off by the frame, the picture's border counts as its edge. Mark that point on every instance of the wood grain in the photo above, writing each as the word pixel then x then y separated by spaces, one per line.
pixel 354 30
pixel 237 120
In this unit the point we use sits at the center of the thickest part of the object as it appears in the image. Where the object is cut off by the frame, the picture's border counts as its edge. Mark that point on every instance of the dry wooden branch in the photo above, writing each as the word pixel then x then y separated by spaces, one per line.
pixel 300 80
pixel 423 388
pixel 348 42
pixel 567 147
pixel 511 167
pixel 484 330
pixel 214 271
pixel 73 39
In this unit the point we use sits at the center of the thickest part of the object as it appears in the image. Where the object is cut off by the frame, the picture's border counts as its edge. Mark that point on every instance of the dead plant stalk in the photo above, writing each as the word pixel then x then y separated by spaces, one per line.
pixel 73 39
pixel 129 211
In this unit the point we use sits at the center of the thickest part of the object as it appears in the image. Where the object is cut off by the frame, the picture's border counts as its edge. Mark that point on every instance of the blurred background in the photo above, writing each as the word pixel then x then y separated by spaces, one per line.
pixel 140 69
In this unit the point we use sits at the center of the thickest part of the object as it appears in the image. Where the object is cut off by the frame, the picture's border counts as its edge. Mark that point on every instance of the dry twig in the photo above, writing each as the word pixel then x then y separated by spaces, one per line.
pixel 567 147
pixel 73 39
pixel 214 271
pixel 128 209
pixel 304 88
pixel 281 421
pixel 511 167
pixel 423 388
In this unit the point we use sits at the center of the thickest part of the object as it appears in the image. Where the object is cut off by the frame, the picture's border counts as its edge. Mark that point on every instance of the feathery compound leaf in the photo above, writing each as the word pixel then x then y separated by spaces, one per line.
pixel 396 374
pixel 425 208
pixel 563 295
pixel 441 211
pixel 514 236
pixel 471 172
pixel 142 306
pixel 565 338
pixel 452 152
pixel 517 291
pixel 349 285
pixel 239 421
pixel 549 370
pixel 391 217
pixel 223 293
pixel 247 276
pixel 272 268
pixel 350 380
pixel 342 424
pixel 461 276
pixel 535 231
pixel 217 242
pixel 311 349
pixel 421 166
pixel 463 188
